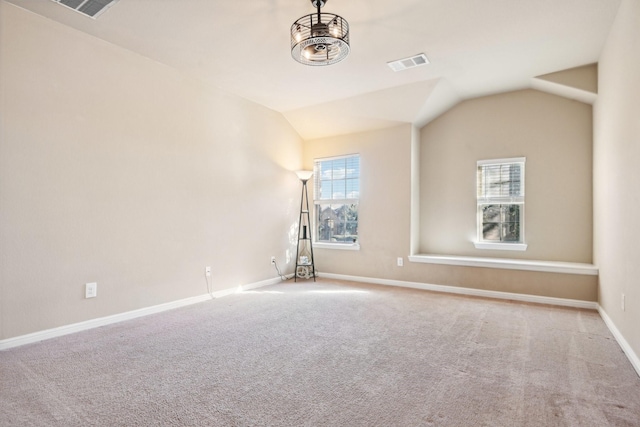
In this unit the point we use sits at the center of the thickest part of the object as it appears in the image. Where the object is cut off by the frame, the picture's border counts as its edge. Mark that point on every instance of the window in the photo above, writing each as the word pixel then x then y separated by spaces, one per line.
pixel 501 204
pixel 336 195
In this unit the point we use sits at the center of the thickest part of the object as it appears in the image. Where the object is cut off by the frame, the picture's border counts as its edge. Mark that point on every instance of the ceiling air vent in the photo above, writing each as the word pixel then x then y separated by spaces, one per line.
pixel 406 63
pixel 90 8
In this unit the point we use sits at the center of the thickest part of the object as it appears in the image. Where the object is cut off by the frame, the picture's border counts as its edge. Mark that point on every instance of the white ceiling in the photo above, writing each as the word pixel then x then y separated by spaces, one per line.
pixel 476 47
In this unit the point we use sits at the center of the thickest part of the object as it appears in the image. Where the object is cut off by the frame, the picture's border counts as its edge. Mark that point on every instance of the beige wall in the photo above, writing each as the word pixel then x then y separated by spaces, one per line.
pixel 555 136
pixel 118 170
pixel 385 222
pixel 385 203
pixel 617 175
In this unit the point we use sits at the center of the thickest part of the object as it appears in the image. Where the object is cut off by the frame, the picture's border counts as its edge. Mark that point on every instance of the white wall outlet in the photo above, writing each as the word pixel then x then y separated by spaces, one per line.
pixel 273 260
pixel 207 271
pixel 91 290
pixel 400 261
pixel 623 298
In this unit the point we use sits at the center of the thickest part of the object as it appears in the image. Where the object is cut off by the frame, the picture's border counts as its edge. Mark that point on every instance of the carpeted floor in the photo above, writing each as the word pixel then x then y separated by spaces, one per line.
pixel 329 354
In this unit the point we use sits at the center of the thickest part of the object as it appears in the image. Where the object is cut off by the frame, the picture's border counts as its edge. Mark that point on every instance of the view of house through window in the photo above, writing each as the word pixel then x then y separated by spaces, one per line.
pixel 501 201
pixel 336 195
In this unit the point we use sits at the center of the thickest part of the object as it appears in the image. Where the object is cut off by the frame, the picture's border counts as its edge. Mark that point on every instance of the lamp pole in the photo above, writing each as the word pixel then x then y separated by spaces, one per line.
pixel 304 238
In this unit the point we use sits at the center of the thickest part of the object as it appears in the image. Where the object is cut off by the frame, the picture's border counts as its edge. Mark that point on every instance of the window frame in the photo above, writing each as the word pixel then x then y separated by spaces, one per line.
pixel 484 200
pixel 323 244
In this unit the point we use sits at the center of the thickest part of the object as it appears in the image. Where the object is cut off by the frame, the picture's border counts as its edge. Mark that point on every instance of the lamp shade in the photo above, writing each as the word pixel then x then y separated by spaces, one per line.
pixel 304 175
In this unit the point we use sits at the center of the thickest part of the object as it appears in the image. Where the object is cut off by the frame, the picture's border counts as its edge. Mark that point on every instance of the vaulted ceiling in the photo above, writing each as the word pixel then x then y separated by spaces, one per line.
pixel 475 47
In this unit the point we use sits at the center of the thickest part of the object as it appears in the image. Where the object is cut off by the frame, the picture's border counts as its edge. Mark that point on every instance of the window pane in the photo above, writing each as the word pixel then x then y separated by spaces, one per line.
pixel 347 230
pixel 322 179
pixel 337 223
pixel 491 231
pixel 505 187
pixel 351 223
pixel 493 186
pixel 339 213
pixel 500 180
pixel 352 231
pixel 339 189
pixel 326 222
pixel 325 190
pixel 325 169
pixel 339 171
pixel 501 223
pixel 352 212
pixel 511 232
pixel 491 213
pixel 353 167
pixel 353 188
pixel 511 213
pixel 511 175
pixel 339 226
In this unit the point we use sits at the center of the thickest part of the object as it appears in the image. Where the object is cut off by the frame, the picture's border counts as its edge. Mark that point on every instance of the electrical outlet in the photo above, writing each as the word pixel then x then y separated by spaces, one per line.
pixel 91 290
pixel 273 260
pixel 623 298
pixel 400 261
pixel 207 271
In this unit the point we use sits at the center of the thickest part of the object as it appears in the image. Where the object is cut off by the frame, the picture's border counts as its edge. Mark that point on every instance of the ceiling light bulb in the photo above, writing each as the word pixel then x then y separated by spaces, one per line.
pixel 298 35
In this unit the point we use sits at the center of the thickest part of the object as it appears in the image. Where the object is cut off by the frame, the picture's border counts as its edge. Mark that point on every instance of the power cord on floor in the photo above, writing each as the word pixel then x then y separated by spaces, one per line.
pixel 282 277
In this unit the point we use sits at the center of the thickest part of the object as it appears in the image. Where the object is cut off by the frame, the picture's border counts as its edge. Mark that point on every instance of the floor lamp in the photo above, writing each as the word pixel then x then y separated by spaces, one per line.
pixel 305 268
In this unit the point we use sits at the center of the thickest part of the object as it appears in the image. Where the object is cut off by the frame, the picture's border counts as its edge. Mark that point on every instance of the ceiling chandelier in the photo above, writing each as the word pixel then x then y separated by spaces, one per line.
pixel 320 38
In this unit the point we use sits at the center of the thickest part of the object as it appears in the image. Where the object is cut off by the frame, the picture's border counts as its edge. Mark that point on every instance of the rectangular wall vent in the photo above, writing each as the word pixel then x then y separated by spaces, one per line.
pixel 90 8
pixel 406 63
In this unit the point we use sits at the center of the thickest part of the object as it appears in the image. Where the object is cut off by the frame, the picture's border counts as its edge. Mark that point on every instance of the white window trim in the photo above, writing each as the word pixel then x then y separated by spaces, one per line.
pixel 346 246
pixel 502 246
pixel 500 161
pixel 343 156
pixel 336 201
pixel 339 246
pixel 508 264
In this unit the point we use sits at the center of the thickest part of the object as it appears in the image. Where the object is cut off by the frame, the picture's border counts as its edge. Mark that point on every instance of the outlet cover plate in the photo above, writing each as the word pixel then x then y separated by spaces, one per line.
pixel 91 290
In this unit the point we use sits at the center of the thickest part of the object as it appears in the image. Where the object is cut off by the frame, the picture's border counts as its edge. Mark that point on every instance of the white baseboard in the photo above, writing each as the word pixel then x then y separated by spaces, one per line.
pixel 631 355
pixel 108 320
pixel 590 305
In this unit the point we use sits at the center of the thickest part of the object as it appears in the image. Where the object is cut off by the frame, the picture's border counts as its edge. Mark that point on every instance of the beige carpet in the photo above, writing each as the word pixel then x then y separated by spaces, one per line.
pixel 329 354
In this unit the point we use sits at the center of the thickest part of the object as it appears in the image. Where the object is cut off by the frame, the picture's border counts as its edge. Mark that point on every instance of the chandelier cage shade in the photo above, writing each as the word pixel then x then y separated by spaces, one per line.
pixel 320 38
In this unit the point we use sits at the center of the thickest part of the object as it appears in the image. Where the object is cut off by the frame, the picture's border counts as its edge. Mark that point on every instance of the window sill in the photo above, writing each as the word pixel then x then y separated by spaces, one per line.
pixel 339 246
pixel 501 246
pixel 509 264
